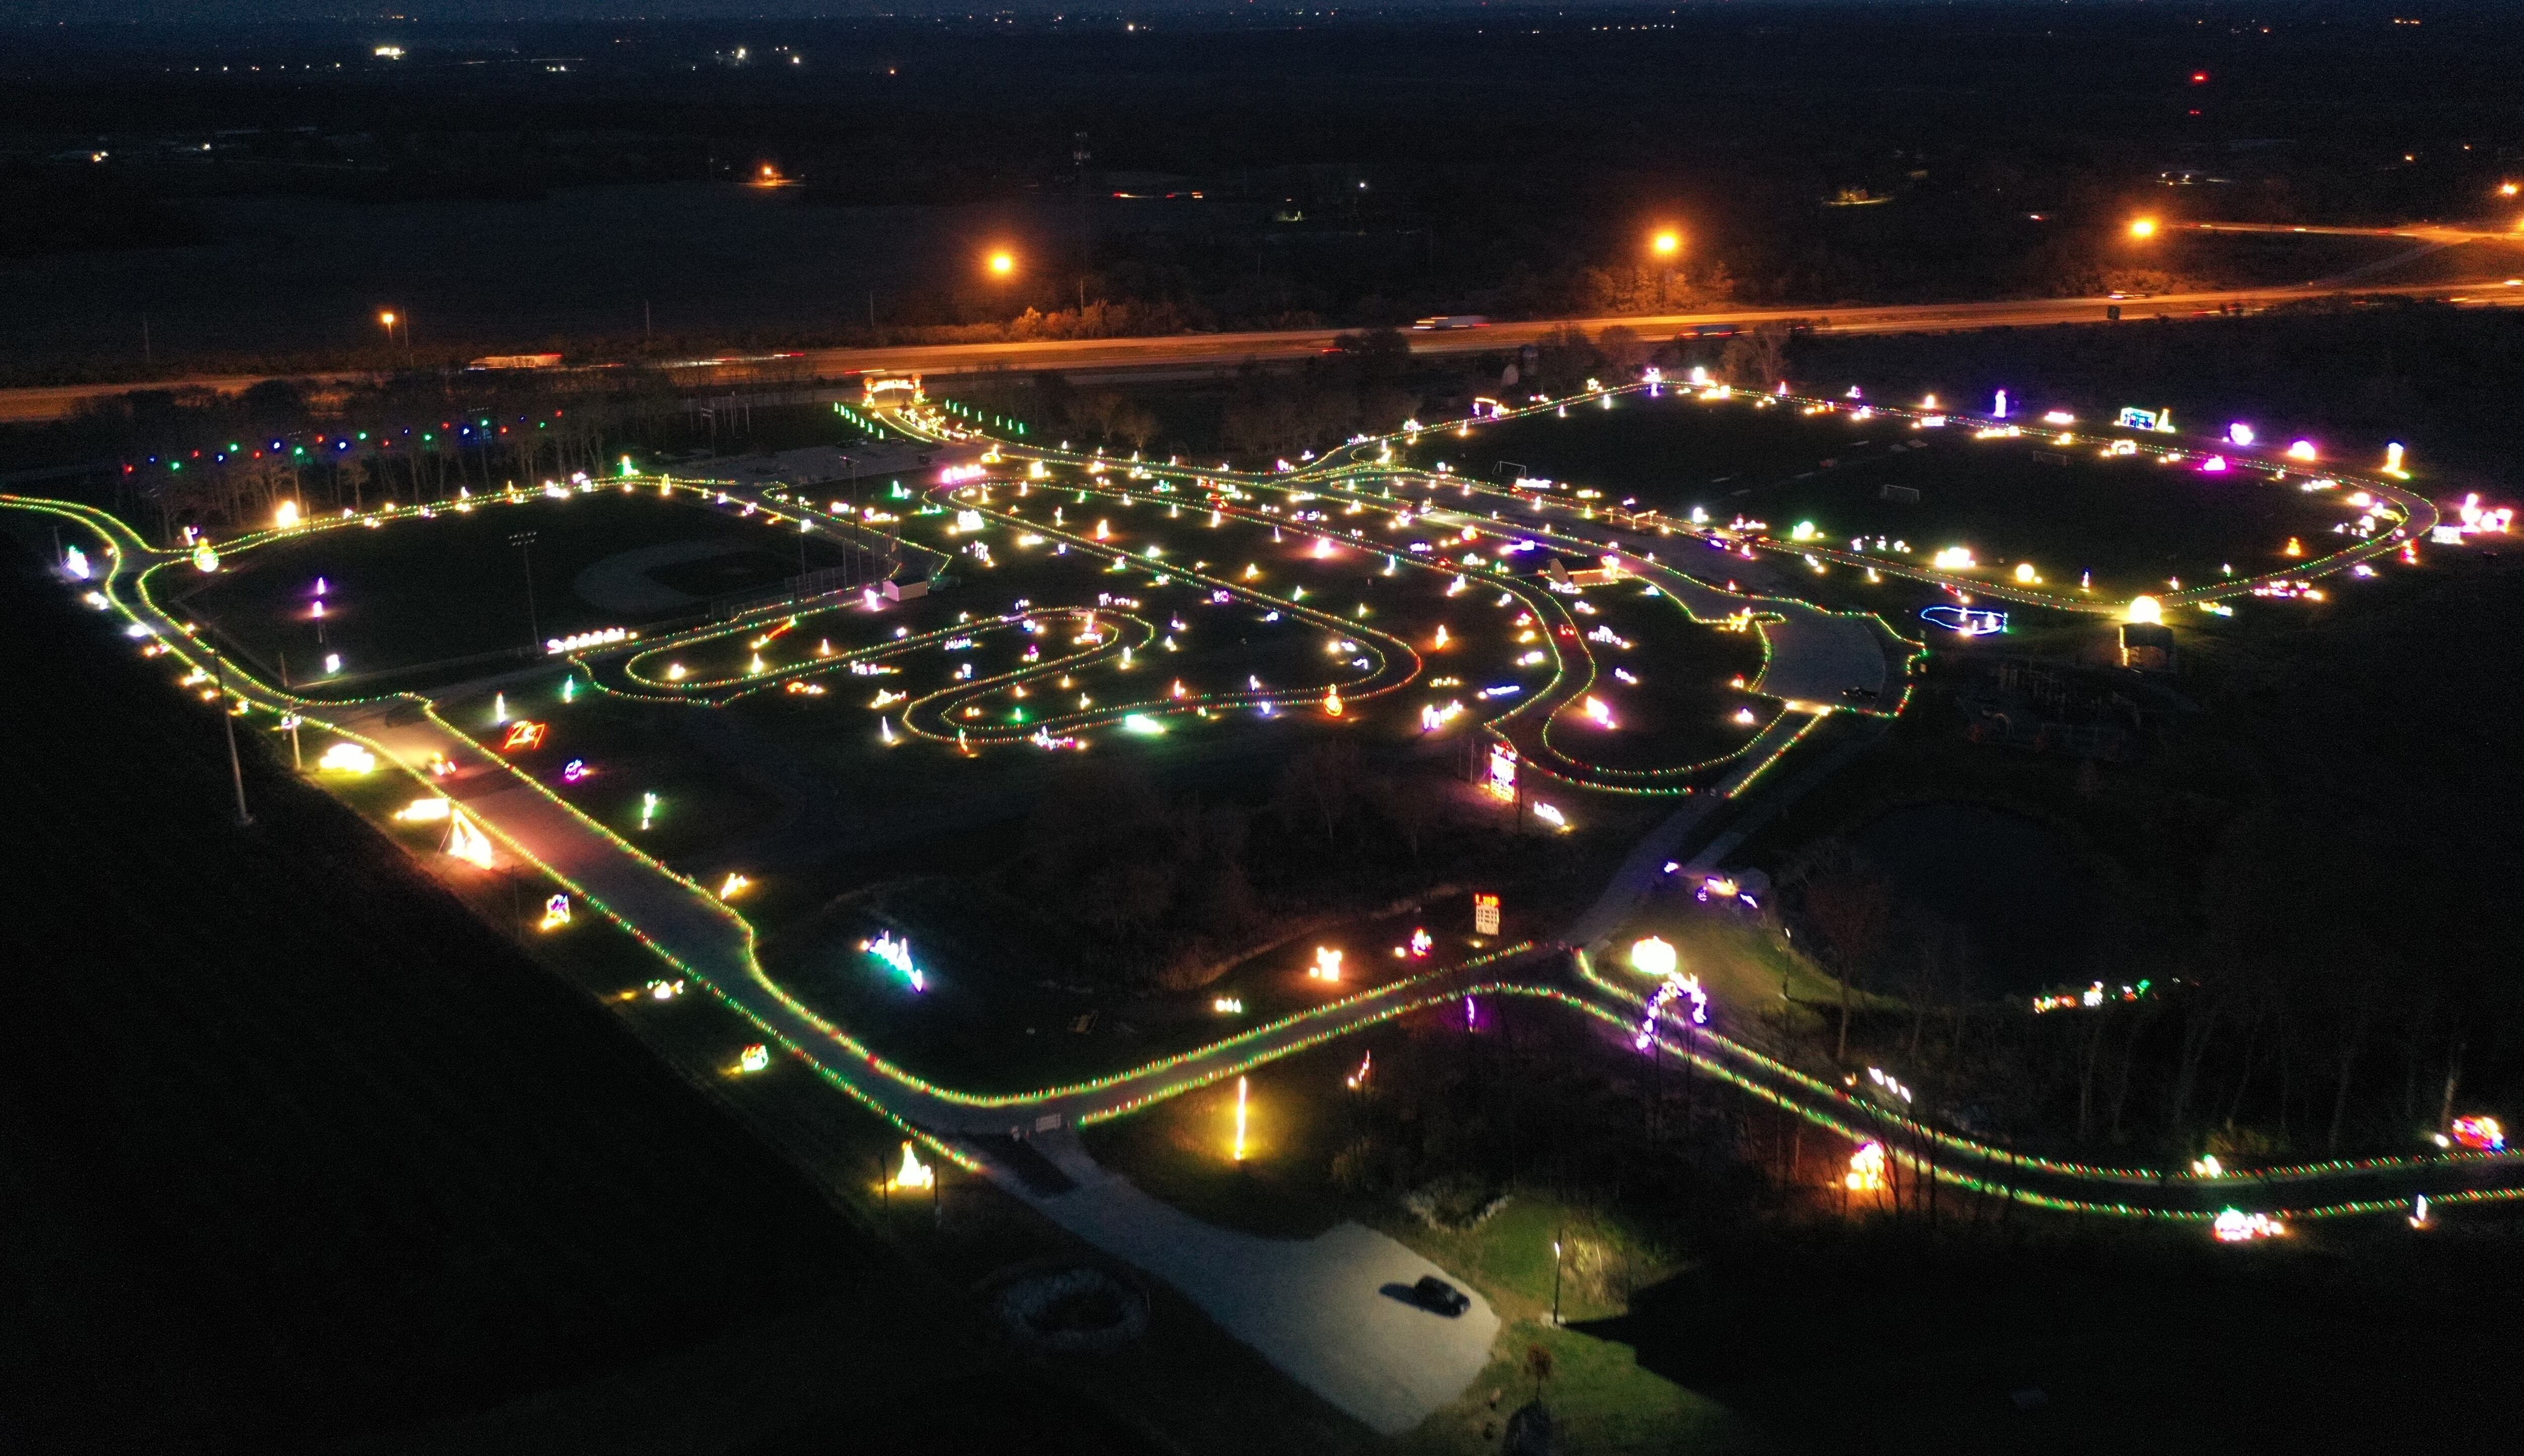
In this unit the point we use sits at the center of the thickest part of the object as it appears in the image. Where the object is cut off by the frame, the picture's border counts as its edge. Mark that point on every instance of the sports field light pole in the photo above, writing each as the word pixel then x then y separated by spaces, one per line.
pixel 227 722
pixel 524 542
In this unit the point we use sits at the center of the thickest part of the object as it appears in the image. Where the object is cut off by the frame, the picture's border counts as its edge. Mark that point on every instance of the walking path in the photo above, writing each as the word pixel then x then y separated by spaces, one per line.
pixel 1314 1307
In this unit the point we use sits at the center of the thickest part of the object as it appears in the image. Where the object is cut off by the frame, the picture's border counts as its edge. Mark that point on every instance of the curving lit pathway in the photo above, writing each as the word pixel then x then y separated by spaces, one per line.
pixel 1312 1306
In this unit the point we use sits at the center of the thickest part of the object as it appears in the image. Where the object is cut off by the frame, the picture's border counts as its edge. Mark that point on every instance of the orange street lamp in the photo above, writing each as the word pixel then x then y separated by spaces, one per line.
pixel 1666 245
pixel 388 318
pixel 2143 228
pixel 1002 264
pixel 2508 190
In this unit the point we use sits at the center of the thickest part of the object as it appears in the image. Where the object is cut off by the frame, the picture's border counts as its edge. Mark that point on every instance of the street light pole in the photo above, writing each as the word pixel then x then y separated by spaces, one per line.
pixel 1555 1283
pixel 851 543
pixel 524 542
pixel 227 722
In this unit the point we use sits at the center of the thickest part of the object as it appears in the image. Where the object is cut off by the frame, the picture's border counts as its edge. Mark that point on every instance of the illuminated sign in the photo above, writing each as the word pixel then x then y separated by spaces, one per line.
pixel 876 387
pixel 1501 777
pixel 553 645
pixel 1486 914
pixel 2159 421
pixel 1969 621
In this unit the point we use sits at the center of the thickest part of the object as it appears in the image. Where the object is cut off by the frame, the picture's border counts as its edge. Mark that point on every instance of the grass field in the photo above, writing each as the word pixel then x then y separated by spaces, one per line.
pixel 849 802
pixel 453 586
pixel 304 1151
pixel 2131 523
pixel 1692 1329
pixel 303 1148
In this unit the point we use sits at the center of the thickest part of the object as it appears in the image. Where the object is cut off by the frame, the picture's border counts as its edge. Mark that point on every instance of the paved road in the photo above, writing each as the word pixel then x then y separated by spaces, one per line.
pixel 1324 1309
pixel 1213 351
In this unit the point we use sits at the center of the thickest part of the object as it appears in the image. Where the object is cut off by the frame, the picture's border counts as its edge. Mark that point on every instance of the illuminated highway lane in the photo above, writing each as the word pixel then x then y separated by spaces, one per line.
pixel 1220 352
pixel 1317 1308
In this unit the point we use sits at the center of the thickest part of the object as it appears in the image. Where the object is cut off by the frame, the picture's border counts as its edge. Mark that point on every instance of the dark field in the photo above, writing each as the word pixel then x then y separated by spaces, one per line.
pixel 418 592
pixel 2132 523
pixel 300 1150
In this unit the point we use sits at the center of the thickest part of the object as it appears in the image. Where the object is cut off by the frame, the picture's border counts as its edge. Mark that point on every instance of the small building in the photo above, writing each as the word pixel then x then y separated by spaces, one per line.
pixel 2147 647
pixel 904 591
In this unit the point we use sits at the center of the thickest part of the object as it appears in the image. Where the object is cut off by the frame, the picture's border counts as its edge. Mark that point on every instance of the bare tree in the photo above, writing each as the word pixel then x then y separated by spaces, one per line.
pixel 1756 359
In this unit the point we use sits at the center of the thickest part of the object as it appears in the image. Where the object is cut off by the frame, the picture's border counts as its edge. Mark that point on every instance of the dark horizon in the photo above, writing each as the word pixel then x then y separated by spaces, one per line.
pixel 198 15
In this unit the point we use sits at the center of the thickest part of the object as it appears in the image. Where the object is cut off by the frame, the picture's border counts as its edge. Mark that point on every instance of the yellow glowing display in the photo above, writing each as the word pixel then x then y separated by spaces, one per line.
pixel 1653 956
pixel 466 841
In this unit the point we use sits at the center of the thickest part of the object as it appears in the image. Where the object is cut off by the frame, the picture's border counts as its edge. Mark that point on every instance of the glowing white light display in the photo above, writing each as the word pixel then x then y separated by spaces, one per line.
pixel 898 955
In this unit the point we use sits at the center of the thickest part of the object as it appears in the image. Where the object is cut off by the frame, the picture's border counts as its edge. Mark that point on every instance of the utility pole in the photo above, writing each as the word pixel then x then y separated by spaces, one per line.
pixel 524 542
pixel 227 722
pixel 1555 1282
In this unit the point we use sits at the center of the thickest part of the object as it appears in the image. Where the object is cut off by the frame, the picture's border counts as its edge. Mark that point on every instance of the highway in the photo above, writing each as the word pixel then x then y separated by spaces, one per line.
pixel 1219 351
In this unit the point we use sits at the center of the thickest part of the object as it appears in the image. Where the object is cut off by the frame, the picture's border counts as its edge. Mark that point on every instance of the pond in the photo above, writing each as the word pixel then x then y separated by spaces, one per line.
pixel 2011 885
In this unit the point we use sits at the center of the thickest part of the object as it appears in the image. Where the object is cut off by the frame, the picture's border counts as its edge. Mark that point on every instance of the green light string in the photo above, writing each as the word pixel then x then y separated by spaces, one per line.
pixel 1972 1148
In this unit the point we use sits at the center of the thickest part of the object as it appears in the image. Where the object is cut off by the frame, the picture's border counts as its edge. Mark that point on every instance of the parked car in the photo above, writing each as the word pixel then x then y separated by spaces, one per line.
pixel 1437 1296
